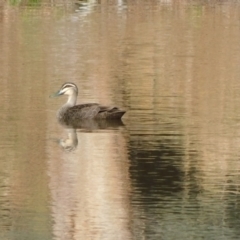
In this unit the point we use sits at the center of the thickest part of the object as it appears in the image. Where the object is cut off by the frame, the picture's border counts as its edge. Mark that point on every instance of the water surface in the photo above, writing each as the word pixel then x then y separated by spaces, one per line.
pixel 170 170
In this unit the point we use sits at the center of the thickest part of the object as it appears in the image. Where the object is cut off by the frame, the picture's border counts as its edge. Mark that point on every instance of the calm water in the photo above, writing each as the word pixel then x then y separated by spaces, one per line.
pixel 171 170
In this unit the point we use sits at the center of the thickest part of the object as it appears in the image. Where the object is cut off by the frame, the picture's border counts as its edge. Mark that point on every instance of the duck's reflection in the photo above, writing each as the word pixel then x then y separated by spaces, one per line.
pixel 92 124
pixel 87 125
pixel 90 185
pixel 70 143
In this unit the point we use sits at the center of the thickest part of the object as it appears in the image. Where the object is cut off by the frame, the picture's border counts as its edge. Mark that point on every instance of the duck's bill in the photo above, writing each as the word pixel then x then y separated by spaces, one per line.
pixel 56 94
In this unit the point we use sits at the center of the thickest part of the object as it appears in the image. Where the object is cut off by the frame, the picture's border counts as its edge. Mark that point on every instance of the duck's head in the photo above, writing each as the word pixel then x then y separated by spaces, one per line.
pixel 67 88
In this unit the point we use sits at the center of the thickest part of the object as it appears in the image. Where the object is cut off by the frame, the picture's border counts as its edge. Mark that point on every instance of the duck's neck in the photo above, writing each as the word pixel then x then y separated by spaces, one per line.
pixel 72 99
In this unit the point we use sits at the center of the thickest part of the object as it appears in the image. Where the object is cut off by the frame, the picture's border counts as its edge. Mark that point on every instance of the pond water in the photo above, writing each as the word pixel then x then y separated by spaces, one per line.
pixel 170 170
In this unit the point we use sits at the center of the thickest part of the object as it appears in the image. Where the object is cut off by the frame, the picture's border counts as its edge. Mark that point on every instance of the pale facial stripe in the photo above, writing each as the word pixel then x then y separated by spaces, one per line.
pixel 68 85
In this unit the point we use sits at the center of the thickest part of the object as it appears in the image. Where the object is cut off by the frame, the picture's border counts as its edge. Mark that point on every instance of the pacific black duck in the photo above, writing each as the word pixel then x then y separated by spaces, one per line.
pixel 72 112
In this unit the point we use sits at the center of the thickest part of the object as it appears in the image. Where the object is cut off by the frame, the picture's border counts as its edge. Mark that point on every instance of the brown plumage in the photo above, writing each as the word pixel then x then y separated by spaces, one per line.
pixel 70 111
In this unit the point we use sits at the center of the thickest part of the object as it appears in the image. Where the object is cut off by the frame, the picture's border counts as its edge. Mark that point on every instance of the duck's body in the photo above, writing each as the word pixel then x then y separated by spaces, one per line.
pixel 89 111
pixel 71 112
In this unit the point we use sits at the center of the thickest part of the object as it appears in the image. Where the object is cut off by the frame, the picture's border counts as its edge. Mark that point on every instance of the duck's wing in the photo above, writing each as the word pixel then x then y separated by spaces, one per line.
pixel 93 111
pixel 83 111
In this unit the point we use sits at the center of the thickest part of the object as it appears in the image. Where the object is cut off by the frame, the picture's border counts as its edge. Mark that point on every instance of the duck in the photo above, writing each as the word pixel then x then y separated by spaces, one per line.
pixel 72 112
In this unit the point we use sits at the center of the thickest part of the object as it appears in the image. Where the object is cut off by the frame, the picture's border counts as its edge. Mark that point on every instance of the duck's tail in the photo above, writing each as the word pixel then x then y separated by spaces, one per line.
pixel 116 114
pixel 110 113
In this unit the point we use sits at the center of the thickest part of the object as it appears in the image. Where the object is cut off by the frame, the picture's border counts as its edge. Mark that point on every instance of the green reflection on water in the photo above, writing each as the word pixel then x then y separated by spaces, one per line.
pixel 25 2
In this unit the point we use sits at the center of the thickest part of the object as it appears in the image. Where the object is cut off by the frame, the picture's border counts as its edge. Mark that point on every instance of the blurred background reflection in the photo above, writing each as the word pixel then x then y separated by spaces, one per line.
pixel 170 170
